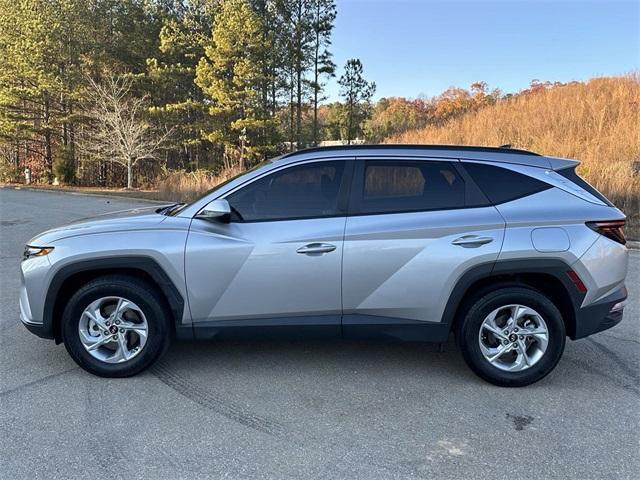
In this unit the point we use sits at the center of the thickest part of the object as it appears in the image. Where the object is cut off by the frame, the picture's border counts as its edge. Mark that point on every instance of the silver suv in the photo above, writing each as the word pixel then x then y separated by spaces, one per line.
pixel 509 250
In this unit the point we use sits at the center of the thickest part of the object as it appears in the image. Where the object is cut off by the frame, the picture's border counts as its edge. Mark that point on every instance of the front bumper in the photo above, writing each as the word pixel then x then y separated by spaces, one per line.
pixel 38 330
pixel 33 274
pixel 602 315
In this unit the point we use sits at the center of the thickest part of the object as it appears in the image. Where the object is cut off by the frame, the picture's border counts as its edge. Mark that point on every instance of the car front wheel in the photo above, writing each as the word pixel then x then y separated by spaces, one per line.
pixel 512 337
pixel 115 326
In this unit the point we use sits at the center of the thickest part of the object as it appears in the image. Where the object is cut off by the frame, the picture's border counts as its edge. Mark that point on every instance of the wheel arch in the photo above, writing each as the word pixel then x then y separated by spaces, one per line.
pixel 68 278
pixel 548 276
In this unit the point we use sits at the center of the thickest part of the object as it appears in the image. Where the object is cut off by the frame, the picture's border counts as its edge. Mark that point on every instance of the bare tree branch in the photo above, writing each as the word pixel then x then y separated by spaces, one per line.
pixel 117 129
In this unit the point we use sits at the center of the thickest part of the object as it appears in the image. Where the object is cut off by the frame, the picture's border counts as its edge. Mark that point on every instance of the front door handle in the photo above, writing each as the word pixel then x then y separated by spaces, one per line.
pixel 471 241
pixel 312 248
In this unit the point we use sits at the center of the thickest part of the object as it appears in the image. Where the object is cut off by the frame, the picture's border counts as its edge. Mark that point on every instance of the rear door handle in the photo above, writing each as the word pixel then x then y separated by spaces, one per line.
pixel 471 241
pixel 312 248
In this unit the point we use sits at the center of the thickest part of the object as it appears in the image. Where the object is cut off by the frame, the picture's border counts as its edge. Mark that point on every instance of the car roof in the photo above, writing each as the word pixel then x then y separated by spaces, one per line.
pixel 467 152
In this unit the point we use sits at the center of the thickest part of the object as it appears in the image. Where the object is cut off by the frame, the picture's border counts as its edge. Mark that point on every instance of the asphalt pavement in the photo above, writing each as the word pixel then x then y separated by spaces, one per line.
pixel 303 409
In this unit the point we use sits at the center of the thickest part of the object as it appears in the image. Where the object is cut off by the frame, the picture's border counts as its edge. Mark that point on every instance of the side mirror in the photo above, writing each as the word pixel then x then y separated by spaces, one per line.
pixel 218 209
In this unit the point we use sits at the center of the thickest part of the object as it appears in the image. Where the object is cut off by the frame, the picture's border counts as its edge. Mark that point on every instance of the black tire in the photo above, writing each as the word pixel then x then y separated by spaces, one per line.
pixel 468 332
pixel 145 296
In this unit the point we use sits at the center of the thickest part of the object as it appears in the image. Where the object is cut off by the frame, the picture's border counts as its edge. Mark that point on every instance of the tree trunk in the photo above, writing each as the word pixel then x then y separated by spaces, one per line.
pixel 350 123
pixel 316 87
pixel 292 113
pixel 298 72
pixel 48 155
pixel 129 174
pixel 316 84
pixel 72 135
pixel 65 125
pixel 299 108
pixel 17 157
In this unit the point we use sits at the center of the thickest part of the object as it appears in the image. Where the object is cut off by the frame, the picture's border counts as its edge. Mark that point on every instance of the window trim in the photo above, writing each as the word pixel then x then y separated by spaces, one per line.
pixel 357 187
pixel 343 191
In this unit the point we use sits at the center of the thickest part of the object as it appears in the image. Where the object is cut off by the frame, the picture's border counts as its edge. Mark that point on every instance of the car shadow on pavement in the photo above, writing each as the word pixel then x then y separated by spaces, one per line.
pixel 317 358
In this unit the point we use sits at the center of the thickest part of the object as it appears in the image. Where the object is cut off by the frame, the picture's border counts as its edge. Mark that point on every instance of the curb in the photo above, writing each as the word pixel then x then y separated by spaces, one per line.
pixel 633 245
pixel 87 194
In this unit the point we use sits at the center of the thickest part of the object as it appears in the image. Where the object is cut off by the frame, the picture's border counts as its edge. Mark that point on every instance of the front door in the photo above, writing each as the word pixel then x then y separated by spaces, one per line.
pixel 278 261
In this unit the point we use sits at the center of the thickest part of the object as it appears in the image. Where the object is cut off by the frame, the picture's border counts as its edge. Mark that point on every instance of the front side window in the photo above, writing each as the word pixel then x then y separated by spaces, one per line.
pixel 406 186
pixel 302 191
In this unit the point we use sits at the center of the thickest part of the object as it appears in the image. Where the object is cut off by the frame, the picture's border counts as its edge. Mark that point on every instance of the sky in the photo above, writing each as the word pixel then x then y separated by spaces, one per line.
pixel 417 48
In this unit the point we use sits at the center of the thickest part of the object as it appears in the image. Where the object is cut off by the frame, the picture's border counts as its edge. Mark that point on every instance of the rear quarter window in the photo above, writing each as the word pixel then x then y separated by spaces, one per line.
pixel 571 175
pixel 501 185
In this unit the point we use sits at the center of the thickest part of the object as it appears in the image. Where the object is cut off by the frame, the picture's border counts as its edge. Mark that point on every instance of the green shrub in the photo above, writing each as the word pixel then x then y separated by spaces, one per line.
pixel 8 172
pixel 63 165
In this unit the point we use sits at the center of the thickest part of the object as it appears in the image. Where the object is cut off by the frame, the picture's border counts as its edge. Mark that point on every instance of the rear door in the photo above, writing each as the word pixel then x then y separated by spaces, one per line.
pixel 415 226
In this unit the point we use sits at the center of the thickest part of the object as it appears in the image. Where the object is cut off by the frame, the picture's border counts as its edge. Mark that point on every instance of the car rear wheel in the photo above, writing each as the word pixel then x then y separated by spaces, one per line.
pixel 115 326
pixel 512 337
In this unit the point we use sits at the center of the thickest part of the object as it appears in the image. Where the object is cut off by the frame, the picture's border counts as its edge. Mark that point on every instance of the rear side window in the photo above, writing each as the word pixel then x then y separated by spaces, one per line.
pixel 501 185
pixel 399 186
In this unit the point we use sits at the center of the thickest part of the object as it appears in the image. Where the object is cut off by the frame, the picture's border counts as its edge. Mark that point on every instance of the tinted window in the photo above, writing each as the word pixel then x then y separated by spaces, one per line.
pixel 303 191
pixel 570 174
pixel 501 185
pixel 405 186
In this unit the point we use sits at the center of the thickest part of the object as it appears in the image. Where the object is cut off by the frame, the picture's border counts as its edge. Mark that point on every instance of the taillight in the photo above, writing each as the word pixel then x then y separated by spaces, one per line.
pixel 613 229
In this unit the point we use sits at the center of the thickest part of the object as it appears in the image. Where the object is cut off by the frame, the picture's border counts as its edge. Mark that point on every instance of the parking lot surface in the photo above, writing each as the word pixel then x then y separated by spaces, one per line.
pixel 303 409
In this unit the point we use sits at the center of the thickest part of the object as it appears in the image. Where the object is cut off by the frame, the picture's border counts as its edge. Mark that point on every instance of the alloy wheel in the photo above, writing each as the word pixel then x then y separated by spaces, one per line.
pixel 113 329
pixel 513 337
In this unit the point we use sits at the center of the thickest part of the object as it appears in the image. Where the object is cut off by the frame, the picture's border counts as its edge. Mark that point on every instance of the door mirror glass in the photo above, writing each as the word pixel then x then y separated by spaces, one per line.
pixel 218 209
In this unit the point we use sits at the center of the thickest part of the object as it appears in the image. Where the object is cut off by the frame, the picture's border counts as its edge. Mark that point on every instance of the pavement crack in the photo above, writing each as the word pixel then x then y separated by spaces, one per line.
pixel 628 370
pixel 36 382
pixel 620 338
pixel 216 403
pixel 633 388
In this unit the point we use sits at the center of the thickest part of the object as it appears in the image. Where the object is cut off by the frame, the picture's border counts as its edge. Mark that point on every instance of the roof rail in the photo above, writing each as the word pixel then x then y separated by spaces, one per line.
pixel 389 146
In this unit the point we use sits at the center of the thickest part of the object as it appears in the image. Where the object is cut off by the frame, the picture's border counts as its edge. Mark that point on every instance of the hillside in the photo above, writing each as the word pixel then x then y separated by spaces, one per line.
pixel 597 122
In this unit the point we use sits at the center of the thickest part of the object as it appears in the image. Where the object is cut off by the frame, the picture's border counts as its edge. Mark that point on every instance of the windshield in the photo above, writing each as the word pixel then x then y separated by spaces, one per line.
pixel 177 208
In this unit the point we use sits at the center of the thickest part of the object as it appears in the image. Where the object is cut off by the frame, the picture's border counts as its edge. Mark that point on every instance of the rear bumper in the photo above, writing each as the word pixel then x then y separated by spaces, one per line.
pixel 600 316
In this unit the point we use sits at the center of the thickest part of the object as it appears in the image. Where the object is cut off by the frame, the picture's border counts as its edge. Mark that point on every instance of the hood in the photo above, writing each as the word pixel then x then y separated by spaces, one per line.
pixel 124 220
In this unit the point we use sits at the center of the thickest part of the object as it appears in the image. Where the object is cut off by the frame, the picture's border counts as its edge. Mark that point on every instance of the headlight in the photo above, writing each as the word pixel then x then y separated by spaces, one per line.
pixel 31 251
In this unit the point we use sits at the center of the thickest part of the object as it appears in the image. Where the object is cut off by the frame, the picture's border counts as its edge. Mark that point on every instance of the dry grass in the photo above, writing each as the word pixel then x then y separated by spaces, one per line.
pixel 184 186
pixel 597 122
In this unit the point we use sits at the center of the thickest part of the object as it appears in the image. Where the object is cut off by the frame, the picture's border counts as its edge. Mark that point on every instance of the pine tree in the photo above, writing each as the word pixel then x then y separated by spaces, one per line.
pixel 357 94
pixel 231 75
pixel 41 44
pixel 176 99
pixel 297 23
pixel 324 14
pixel 46 46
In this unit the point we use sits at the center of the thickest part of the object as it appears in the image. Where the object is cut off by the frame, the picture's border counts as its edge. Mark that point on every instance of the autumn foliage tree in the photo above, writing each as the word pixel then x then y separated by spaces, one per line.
pixel 391 116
